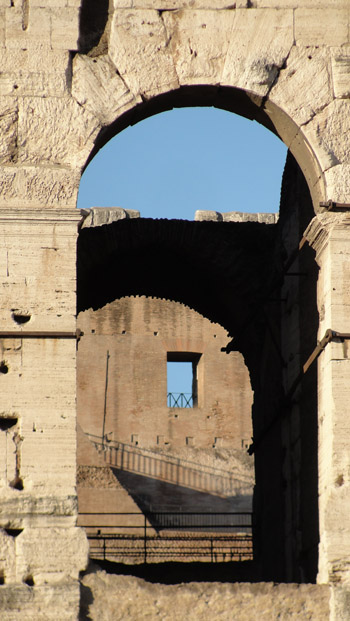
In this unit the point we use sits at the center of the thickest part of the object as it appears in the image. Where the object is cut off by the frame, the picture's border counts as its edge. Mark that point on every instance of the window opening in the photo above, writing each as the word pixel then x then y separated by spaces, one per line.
pixel 182 385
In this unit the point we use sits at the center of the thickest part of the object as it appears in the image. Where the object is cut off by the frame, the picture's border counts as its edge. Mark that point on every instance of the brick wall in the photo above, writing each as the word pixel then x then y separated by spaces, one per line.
pixel 138 333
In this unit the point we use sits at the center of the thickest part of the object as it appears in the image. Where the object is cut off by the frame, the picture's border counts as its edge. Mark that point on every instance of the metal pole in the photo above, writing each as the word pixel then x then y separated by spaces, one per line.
pixel 105 403
pixel 145 541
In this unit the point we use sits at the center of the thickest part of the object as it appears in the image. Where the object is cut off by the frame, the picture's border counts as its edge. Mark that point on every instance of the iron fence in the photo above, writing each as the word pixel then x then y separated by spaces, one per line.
pixel 180 400
pixel 168 536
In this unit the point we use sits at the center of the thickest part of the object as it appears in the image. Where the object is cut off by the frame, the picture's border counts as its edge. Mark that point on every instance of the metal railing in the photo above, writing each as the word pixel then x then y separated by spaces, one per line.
pixel 171 469
pixel 180 400
pixel 137 537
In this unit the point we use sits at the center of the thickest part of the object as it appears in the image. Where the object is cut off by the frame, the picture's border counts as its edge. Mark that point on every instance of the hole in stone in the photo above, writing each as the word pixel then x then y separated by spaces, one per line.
pixel 339 480
pixel 7 422
pixel 17 483
pixel 3 367
pixel 93 18
pixel 13 532
pixel 29 580
pixel 20 318
pixel 2 577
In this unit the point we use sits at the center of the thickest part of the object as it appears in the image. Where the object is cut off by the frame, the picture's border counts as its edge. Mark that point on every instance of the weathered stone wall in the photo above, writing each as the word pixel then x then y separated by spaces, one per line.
pixel 72 75
pixel 60 90
pixel 42 552
pixel 127 598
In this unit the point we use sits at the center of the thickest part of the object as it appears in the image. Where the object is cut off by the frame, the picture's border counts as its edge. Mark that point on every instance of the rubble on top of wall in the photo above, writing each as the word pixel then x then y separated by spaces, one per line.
pixel 235 216
pixel 97 216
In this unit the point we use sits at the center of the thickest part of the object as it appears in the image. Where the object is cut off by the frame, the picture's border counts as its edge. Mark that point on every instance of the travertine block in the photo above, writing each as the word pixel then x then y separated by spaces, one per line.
pixel 54 4
pixel 322 26
pixel 98 88
pixel 260 43
pixel 8 129
pixel 309 66
pixel 296 4
pixel 32 33
pixel 324 134
pixel 44 60
pixel 199 41
pixel 40 134
pixel 341 72
pixel 37 84
pixel 2 27
pixel 7 557
pixel 235 216
pixel 42 603
pixel 305 156
pixel 65 28
pixel 51 555
pixel 338 183
pixel 35 186
pixel 139 49
pixel 21 508
pixel 98 216
pixel 125 4
pixel 48 303
pixel 41 74
pixel 170 5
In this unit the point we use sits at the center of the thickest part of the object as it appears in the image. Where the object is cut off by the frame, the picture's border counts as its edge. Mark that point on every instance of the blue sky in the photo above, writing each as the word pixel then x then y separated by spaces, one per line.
pixel 174 163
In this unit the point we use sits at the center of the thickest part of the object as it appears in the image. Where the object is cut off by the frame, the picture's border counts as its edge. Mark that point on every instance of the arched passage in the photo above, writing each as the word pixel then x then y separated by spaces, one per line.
pixel 256 85
pixel 58 98
pixel 235 274
pixel 269 56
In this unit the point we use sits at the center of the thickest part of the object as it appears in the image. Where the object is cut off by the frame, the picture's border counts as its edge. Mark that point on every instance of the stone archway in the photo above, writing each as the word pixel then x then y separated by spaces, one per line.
pixel 61 100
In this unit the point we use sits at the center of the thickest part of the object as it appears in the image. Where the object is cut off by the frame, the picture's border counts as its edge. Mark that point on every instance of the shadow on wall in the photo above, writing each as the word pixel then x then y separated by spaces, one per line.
pixel 155 495
pixel 173 469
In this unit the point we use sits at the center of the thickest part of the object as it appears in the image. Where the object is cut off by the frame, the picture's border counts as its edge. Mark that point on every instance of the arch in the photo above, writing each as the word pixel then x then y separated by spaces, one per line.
pixel 153 61
pixel 62 98
pixel 149 61
pixel 233 100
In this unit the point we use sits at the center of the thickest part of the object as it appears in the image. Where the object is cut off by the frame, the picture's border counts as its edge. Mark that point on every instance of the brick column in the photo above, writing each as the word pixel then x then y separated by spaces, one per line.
pixel 41 549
